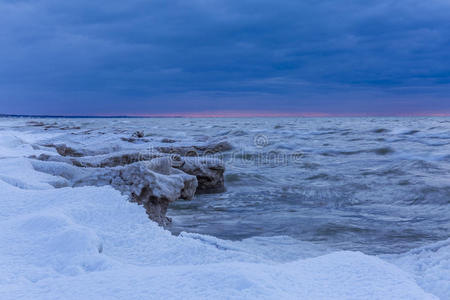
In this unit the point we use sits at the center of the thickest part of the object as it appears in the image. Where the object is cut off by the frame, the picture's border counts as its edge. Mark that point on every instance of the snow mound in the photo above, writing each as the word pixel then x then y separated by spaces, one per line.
pixel 89 242
pixel 430 266
pixel 51 240
pixel 19 172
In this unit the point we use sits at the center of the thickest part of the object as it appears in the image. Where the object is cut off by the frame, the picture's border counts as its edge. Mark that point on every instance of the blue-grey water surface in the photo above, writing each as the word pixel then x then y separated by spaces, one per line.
pixel 378 185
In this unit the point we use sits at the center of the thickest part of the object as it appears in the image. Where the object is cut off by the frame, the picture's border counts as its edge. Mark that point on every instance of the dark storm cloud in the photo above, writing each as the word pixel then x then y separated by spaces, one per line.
pixel 89 57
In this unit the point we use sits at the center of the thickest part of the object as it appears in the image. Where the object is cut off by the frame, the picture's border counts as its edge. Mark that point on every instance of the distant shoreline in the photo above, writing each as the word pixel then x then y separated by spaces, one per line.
pixel 83 117
pixel 213 116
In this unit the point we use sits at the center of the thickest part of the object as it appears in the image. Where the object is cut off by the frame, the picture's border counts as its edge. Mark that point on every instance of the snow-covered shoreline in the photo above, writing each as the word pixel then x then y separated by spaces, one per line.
pixel 88 242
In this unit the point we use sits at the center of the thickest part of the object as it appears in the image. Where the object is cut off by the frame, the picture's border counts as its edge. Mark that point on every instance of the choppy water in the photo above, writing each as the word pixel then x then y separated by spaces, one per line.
pixel 378 185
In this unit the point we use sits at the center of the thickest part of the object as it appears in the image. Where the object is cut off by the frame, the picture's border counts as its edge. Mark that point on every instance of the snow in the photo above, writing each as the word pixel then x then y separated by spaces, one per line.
pixel 430 266
pixel 91 243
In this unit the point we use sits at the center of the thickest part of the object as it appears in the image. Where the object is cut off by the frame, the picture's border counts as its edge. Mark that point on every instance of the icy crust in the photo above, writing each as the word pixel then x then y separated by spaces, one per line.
pixel 153 184
pixel 209 171
pixel 147 176
pixel 430 266
pixel 89 242
pixel 151 178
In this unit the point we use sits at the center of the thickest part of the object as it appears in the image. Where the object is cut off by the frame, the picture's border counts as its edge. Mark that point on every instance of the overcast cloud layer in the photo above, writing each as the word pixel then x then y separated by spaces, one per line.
pixel 130 57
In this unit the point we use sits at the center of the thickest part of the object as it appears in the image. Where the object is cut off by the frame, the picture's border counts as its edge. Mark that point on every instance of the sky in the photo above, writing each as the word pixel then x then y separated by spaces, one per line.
pixel 225 57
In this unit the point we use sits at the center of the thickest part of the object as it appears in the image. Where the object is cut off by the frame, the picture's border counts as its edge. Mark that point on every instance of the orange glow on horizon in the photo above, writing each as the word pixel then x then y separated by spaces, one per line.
pixel 249 114
pixel 232 114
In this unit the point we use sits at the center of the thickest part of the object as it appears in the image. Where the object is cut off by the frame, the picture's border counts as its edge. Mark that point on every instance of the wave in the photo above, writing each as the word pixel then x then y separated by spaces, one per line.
pixel 377 151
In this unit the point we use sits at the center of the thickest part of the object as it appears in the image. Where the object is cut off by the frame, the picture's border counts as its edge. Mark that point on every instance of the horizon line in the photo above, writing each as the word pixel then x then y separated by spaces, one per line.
pixel 232 114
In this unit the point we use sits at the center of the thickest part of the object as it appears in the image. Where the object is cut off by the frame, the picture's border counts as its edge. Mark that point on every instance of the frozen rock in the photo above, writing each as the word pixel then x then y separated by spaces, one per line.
pixel 148 187
pixel 150 178
pixel 209 173
pixel 63 150
pixel 217 147
pixel 138 134
pixel 168 141
pixel 179 150
pixel 197 150
pixel 154 184
pixel 116 159
pixel 135 140
pixel 136 137
pixel 120 158
pixel 35 123
pixel 68 151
